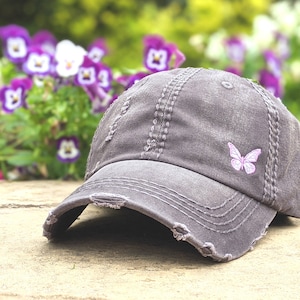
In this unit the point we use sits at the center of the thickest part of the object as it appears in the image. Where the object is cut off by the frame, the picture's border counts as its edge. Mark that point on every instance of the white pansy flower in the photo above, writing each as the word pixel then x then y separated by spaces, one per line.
pixel 69 57
pixel 16 47
pixel 39 63
pixel 13 98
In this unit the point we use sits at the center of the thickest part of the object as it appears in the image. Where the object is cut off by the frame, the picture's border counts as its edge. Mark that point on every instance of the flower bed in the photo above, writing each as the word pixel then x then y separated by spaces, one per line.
pixel 54 93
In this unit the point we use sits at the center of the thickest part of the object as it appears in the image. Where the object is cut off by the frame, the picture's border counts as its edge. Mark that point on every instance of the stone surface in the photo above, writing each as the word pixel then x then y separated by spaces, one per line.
pixel 110 254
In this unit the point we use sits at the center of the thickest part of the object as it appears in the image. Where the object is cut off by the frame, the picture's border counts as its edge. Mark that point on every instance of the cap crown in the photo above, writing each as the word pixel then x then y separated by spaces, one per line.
pixel 212 122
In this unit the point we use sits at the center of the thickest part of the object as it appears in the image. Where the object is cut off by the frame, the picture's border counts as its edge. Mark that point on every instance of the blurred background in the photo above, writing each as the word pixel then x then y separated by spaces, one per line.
pixel 196 26
pixel 123 23
pixel 266 33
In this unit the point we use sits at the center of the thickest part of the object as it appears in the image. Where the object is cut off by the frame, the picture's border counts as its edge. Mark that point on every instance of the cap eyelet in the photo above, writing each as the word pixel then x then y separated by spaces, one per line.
pixel 228 85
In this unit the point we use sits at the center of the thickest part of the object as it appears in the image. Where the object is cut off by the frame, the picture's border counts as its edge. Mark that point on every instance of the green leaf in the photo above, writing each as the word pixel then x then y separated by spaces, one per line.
pixel 2 143
pixel 22 158
pixel 6 151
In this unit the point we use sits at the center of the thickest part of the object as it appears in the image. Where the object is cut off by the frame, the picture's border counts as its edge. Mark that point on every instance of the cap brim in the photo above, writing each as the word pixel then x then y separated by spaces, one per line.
pixel 218 221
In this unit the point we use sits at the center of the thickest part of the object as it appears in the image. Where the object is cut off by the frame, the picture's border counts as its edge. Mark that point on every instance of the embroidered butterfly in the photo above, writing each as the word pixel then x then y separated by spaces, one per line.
pixel 246 162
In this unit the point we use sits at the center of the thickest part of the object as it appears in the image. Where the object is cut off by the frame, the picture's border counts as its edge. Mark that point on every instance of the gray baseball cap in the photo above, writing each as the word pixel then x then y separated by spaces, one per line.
pixel 211 155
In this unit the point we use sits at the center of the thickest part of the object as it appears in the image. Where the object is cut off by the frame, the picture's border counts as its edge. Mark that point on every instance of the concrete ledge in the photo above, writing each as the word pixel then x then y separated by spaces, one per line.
pixel 124 255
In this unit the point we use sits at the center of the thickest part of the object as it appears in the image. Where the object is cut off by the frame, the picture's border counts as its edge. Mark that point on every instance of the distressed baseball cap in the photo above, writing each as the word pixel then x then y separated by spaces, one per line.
pixel 211 155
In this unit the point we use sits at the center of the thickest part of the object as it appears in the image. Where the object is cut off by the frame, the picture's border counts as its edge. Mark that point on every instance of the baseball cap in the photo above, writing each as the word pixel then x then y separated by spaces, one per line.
pixel 211 155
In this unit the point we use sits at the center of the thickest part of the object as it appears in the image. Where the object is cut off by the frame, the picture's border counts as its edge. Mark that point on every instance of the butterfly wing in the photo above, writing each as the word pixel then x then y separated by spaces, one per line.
pixel 249 168
pixel 234 152
pixel 251 158
pixel 236 164
pixel 237 161
pixel 253 155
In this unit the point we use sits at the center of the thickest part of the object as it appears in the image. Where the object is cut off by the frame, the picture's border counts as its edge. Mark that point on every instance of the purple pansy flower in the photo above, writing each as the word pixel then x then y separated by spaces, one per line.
pixel 234 70
pixel 99 98
pixel 13 96
pixel 38 62
pixel 97 49
pixel 96 80
pixel 101 105
pixel 46 40
pixel 235 49
pixel 273 62
pixel 68 149
pixel 128 80
pixel 158 54
pixel 87 78
pixel 15 42
pixel 87 73
pixel 104 77
pixel 271 82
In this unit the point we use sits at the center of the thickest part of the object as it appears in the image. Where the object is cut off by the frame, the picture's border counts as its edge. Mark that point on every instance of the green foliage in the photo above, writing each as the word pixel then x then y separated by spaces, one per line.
pixel 8 71
pixel 29 135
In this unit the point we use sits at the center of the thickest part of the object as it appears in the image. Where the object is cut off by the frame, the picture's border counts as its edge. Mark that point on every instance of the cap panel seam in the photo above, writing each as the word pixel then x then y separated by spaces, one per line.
pixel 151 142
pixel 271 174
pixel 113 127
pixel 170 108
pixel 163 110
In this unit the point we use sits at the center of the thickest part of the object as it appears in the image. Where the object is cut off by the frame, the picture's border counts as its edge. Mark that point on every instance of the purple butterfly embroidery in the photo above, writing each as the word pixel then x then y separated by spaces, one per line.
pixel 246 162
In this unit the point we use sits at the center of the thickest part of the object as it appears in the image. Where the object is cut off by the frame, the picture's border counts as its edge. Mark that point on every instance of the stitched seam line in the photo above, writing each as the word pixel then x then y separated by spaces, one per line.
pixel 113 127
pixel 162 115
pixel 270 183
pixel 182 199
pixel 177 203
pixel 90 185
pixel 173 193
pixel 151 142
pixel 188 214
pixel 169 111
pixel 186 211
pixel 191 209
